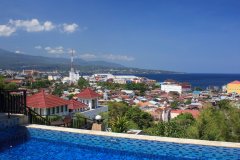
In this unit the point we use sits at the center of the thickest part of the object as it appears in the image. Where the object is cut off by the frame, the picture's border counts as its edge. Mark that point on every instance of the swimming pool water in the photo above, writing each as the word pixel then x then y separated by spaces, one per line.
pixel 56 145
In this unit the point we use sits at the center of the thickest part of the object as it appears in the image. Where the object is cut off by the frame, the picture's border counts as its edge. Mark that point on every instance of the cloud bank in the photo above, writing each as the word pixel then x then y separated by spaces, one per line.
pixel 60 50
pixel 110 57
pixel 34 25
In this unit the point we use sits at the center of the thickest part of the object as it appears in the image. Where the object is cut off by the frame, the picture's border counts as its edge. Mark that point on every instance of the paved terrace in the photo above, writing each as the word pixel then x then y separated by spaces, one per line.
pixel 140 137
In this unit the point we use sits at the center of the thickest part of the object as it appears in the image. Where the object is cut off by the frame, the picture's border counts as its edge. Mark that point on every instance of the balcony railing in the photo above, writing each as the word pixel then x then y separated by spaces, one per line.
pixel 13 102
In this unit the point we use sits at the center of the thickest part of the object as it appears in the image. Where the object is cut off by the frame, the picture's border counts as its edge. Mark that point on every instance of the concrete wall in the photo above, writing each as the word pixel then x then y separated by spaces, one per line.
pixel 171 88
pixel 92 113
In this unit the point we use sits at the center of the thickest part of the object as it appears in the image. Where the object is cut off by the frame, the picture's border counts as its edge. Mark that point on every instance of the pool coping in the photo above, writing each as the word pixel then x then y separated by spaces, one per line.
pixel 139 137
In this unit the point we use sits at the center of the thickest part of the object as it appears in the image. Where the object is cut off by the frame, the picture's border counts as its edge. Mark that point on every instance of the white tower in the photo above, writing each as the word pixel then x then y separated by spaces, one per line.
pixel 73 77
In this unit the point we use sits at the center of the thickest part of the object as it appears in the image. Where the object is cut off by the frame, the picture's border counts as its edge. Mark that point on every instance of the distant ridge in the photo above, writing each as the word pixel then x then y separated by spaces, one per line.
pixel 10 60
pixel 14 61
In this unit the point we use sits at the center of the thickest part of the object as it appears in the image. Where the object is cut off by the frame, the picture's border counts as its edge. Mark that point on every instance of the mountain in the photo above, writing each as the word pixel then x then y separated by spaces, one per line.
pixel 14 61
pixel 10 60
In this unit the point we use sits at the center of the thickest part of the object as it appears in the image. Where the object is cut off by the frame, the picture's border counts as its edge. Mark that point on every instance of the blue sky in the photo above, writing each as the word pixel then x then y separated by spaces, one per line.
pixel 195 36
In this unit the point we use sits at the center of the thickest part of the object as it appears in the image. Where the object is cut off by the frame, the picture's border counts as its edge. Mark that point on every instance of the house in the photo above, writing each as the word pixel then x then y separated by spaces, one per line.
pixel 233 87
pixel 76 106
pixel 196 94
pixel 175 113
pixel 89 97
pixel 16 81
pixel 130 93
pixel 173 86
pixel 47 104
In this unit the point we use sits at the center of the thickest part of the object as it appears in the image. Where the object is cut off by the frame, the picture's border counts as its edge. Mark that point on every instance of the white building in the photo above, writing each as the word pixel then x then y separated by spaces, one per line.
pixel 171 88
pixel 123 79
pixel 128 92
pixel 73 76
pixel 89 97
pixel 47 104
pixel 100 77
pixel 53 77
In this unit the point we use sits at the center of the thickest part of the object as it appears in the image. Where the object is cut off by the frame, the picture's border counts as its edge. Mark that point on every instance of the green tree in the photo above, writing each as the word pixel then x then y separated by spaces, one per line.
pixel 82 83
pixel 10 86
pixel 7 86
pixel 70 96
pixel 139 117
pixel 189 101
pixel 211 125
pixel 2 82
pixel 117 109
pixel 174 104
pixel 198 89
pixel 136 86
pixel 41 84
pixel 176 127
pixel 156 129
pixel 217 124
pixel 224 104
pixel 59 88
pixel 110 85
pixel 120 125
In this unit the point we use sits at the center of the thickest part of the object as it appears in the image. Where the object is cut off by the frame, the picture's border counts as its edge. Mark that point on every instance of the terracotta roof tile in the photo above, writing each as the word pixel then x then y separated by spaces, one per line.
pixel 43 100
pixel 195 113
pixel 88 94
pixel 235 82
pixel 74 104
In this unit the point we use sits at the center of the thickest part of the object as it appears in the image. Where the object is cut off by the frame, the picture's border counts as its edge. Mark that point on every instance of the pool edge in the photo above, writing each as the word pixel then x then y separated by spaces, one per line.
pixel 140 137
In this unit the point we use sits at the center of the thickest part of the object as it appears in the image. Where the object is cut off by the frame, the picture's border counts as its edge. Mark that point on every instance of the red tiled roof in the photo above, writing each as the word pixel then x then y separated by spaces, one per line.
pixel 195 113
pixel 235 82
pixel 88 94
pixel 74 104
pixel 14 81
pixel 43 100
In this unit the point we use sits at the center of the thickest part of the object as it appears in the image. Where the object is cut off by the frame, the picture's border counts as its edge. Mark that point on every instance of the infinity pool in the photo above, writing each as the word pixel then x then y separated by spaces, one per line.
pixel 42 144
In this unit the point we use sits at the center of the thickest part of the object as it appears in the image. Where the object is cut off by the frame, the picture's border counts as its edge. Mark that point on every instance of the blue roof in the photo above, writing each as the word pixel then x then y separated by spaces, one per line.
pixel 196 92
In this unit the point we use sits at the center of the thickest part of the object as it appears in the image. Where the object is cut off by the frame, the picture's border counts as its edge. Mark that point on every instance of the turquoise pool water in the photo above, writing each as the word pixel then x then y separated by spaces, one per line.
pixel 56 145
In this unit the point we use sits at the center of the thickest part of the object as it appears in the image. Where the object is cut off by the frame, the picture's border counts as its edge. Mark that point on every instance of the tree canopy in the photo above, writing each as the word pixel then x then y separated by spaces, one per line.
pixel 136 118
pixel 82 83
pixel 7 86
pixel 217 124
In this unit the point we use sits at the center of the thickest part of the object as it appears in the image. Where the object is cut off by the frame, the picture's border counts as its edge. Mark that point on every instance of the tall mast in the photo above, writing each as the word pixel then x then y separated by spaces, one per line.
pixel 72 60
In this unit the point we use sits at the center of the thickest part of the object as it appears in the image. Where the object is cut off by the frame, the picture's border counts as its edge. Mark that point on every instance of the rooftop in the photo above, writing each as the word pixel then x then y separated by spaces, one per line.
pixel 43 100
pixel 74 104
pixel 88 94
pixel 234 82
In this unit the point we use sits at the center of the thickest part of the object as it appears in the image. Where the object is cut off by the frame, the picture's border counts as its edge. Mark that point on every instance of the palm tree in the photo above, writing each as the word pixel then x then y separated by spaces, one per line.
pixel 120 125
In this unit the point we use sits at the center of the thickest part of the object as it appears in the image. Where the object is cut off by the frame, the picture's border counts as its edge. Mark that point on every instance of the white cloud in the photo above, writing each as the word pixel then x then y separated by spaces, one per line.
pixel 38 47
pixel 70 28
pixel 32 25
pixel 118 57
pixel 19 52
pixel 111 57
pixel 88 56
pixel 35 25
pixel 6 30
pixel 55 50
pixel 48 26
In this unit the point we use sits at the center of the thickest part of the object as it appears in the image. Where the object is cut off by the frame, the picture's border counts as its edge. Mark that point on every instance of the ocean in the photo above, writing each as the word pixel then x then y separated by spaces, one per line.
pixel 196 80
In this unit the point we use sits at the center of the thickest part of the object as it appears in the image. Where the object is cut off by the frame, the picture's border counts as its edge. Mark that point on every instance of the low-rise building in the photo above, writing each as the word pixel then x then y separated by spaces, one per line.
pixel 173 86
pixel 76 106
pixel 175 113
pixel 89 97
pixel 233 87
pixel 47 104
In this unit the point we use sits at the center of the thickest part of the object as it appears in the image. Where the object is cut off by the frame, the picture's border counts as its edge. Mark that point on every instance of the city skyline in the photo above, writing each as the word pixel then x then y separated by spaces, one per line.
pixel 186 36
